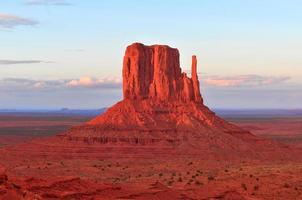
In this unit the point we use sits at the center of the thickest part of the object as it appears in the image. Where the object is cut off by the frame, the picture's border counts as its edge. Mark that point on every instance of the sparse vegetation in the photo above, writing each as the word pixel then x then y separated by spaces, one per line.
pixel 211 178
pixel 243 186
pixel 198 183
pixel 170 182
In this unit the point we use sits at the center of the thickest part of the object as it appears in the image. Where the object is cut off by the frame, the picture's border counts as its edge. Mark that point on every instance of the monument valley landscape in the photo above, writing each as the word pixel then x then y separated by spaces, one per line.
pixel 150 100
pixel 159 142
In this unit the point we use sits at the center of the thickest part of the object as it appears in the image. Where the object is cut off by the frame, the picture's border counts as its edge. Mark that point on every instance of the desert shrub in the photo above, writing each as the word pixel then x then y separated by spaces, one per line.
pixel 198 183
pixel 179 179
pixel 190 163
pixel 243 185
pixel 170 183
pixel 256 187
pixel 160 174
pixel 251 175
pixel 226 170
pixel 286 185
pixel 211 178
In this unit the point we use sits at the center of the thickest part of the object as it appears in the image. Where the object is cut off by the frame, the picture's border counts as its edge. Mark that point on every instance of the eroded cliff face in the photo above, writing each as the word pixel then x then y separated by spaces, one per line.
pixel 158 95
pixel 153 72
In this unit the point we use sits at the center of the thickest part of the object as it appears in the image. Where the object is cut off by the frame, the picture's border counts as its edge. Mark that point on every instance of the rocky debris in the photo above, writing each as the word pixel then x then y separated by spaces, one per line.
pixel 13 191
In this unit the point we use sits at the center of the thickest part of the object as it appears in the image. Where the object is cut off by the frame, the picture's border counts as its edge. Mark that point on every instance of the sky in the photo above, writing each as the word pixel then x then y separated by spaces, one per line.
pixel 68 53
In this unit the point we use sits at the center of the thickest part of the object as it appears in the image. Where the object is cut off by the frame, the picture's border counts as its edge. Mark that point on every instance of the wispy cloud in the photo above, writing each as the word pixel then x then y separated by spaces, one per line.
pixel 17 84
pixel 243 80
pixel 48 2
pixel 8 21
pixel 109 82
pixel 16 62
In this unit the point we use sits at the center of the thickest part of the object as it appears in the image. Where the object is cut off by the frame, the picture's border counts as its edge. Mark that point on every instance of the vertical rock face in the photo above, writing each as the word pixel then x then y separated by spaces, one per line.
pixel 154 72
pixel 196 89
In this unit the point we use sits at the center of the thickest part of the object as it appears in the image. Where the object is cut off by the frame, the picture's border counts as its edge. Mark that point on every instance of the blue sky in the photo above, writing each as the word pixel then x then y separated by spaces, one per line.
pixel 68 53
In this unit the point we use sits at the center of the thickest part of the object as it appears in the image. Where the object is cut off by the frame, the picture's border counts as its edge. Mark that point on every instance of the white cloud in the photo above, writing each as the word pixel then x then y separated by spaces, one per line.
pixel 243 80
pixel 9 21
pixel 18 84
pixel 94 82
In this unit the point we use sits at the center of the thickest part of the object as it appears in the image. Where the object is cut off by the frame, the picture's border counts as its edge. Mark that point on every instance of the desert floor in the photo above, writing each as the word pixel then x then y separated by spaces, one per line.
pixel 186 178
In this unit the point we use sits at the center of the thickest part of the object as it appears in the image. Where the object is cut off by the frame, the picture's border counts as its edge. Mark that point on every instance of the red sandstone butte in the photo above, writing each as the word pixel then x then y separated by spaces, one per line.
pixel 162 114
pixel 153 72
